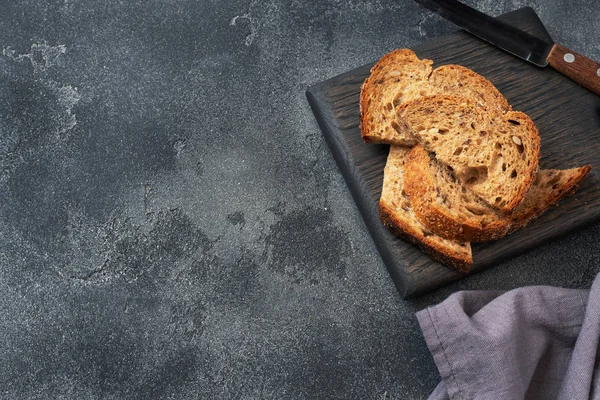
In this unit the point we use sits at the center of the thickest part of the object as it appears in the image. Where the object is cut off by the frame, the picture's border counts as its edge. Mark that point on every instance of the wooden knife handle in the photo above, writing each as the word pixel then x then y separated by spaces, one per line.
pixel 581 69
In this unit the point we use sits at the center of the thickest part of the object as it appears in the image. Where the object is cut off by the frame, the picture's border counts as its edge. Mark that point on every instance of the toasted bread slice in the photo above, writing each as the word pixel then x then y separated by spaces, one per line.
pixel 494 155
pixel 396 75
pixel 396 213
pixel 401 76
pixel 446 207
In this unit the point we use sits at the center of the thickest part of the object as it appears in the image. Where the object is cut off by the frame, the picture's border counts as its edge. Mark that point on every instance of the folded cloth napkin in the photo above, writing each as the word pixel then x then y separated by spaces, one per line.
pixel 536 342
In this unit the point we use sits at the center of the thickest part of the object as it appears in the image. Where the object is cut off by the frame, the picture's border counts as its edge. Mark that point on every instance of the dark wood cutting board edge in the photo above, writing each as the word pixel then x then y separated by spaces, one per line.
pixel 567 115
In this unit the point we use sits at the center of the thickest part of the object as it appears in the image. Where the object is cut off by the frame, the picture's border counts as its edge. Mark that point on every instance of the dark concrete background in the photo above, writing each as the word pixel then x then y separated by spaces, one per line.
pixel 172 224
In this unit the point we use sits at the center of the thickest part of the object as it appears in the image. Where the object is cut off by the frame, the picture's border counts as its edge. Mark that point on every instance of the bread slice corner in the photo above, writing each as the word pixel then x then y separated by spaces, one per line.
pixel 549 187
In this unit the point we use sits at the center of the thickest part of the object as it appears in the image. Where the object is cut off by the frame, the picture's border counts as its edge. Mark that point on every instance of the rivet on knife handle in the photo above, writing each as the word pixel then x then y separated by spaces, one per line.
pixel 579 68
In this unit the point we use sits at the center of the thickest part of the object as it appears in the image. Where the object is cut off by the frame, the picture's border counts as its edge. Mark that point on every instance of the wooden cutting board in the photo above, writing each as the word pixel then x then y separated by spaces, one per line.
pixel 567 116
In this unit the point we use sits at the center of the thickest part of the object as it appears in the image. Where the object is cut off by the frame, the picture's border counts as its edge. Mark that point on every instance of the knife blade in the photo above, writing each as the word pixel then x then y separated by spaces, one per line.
pixel 577 67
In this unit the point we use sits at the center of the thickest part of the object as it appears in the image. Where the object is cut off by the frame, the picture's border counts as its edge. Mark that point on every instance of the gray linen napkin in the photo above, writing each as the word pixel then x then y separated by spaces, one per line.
pixel 535 342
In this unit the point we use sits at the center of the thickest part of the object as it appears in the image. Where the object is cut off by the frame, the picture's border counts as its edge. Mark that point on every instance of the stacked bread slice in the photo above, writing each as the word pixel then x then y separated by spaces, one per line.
pixel 462 166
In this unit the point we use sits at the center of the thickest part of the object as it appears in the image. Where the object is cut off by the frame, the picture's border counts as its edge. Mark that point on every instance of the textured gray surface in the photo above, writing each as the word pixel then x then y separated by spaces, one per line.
pixel 172 224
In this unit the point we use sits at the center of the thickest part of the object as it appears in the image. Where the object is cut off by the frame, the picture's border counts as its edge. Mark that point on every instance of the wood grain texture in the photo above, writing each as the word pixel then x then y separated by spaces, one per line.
pixel 566 114
pixel 579 68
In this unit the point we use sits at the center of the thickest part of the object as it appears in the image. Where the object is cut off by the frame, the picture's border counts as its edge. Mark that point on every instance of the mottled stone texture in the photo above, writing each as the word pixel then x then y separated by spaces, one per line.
pixel 172 224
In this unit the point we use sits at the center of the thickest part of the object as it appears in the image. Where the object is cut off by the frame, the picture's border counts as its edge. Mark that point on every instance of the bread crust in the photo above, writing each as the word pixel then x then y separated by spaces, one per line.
pixel 434 246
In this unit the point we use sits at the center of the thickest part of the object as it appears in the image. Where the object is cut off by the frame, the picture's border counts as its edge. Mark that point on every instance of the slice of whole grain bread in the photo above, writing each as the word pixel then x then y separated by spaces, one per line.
pixel 446 207
pixel 492 154
pixel 399 77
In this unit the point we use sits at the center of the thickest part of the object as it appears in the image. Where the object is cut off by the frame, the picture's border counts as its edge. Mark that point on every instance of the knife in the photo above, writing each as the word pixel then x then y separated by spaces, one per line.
pixel 579 68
